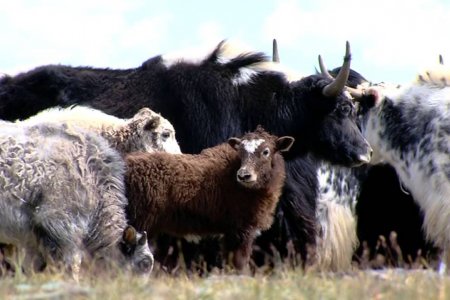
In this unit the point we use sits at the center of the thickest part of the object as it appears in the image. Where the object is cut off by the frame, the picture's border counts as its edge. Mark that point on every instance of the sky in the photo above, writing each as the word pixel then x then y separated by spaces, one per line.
pixel 391 40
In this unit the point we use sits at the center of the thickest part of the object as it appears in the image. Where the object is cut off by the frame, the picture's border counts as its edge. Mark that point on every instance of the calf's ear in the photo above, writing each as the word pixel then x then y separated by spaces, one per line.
pixel 284 143
pixel 144 112
pixel 234 142
pixel 152 124
pixel 129 235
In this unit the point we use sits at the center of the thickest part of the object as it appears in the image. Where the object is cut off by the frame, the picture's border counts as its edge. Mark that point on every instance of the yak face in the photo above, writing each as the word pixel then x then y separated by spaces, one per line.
pixel 155 133
pixel 258 151
pixel 339 137
pixel 334 134
pixel 135 248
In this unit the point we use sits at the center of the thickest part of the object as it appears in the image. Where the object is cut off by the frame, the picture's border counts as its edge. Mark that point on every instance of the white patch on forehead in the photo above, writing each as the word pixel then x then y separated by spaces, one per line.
pixel 251 145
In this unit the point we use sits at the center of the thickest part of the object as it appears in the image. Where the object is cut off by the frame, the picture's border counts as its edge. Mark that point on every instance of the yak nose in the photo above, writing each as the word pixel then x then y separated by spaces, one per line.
pixel 243 175
pixel 365 158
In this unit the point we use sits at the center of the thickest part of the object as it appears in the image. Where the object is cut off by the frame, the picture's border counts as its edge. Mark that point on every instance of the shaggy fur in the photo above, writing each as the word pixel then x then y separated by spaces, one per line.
pixel 219 191
pixel 338 191
pixel 207 101
pixel 359 188
pixel 337 240
pixel 62 198
pixel 147 131
pixel 410 129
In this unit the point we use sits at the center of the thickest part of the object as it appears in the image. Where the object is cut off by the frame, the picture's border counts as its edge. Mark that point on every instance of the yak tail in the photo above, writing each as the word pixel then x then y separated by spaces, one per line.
pixel 337 239
pixel 234 59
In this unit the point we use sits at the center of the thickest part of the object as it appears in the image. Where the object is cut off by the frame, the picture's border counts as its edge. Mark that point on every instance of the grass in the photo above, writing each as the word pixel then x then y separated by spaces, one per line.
pixel 414 280
pixel 280 284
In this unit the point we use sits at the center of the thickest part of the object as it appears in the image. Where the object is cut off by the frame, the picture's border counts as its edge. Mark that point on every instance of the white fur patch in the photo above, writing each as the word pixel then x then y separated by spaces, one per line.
pixel 197 54
pixel 244 77
pixel 438 75
pixel 251 145
pixel 193 238
pixel 171 146
pixel 230 50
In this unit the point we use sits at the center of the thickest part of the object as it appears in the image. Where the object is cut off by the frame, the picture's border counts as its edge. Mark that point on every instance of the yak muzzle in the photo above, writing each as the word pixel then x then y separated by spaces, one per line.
pixel 245 177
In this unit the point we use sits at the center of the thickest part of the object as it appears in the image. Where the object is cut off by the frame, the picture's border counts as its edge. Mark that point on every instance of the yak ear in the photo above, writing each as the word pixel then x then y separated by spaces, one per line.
pixel 284 143
pixel 371 98
pixel 152 124
pixel 144 112
pixel 143 239
pixel 129 235
pixel 234 142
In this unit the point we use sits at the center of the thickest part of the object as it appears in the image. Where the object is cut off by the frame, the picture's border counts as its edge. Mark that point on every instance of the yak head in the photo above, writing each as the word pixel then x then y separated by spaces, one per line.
pixel 260 157
pixel 137 253
pixel 152 132
pixel 330 127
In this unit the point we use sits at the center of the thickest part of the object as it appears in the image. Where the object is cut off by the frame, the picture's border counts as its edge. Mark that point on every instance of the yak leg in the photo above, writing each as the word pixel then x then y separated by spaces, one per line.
pixel 241 256
pixel 33 261
pixel 241 247
pixel 74 265
pixel 28 259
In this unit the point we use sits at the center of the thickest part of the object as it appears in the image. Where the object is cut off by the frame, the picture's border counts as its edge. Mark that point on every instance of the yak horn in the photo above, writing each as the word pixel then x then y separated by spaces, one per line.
pixel 275 56
pixel 441 59
pixel 324 69
pixel 355 93
pixel 338 84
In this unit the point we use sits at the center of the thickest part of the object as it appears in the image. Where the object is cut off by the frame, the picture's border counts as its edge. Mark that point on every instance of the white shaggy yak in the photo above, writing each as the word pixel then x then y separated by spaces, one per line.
pixel 409 128
pixel 146 131
pixel 62 199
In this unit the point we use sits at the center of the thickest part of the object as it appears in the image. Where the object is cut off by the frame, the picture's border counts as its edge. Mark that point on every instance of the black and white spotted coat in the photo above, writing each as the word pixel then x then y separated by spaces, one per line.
pixel 409 128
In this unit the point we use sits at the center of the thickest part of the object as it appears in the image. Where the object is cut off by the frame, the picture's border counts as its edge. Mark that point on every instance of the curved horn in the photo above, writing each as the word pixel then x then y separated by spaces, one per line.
pixel 324 69
pixel 355 93
pixel 336 87
pixel 441 59
pixel 275 56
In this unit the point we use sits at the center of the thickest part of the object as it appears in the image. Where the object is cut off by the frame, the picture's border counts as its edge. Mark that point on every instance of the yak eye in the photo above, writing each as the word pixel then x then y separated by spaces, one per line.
pixel 144 265
pixel 165 135
pixel 346 110
pixel 266 152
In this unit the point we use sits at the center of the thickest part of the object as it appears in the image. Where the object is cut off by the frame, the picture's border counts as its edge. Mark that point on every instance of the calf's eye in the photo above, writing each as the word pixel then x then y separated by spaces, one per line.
pixel 165 135
pixel 266 152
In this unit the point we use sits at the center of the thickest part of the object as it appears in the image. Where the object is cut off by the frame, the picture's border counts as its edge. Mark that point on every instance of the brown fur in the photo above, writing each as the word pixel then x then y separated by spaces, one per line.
pixel 200 195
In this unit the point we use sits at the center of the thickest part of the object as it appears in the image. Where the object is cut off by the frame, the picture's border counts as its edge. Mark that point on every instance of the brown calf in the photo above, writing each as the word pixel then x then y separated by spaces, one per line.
pixel 231 190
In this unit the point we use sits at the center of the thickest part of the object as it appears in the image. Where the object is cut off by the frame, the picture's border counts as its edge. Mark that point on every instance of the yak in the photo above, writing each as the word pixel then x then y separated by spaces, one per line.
pixel 210 100
pixel 231 189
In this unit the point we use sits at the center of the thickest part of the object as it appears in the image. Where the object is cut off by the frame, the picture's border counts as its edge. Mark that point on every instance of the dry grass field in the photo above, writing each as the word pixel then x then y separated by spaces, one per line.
pixel 395 278
pixel 280 283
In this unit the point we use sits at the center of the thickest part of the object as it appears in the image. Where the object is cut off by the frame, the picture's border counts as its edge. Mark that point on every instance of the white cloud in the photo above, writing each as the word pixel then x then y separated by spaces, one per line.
pixel 210 33
pixel 285 23
pixel 387 35
pixel 145 31
pixel 80 32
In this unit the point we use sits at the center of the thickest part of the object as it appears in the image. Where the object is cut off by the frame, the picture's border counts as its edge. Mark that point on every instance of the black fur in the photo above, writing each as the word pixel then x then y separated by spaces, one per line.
pixel 206 108
pixel 406 126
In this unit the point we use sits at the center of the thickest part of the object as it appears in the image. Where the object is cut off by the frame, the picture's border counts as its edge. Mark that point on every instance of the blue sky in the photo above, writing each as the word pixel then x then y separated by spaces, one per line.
pixel 391 40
